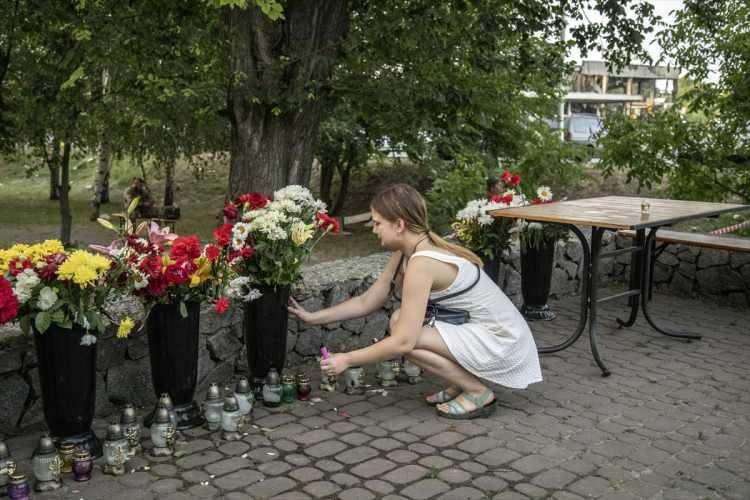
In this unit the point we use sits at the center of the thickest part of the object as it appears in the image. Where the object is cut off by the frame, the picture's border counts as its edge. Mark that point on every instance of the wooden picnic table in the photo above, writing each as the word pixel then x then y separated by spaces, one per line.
pixel 614 213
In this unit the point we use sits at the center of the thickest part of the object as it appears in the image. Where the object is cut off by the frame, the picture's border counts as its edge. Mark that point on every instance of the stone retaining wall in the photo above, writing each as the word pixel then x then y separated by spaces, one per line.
pixel 124 373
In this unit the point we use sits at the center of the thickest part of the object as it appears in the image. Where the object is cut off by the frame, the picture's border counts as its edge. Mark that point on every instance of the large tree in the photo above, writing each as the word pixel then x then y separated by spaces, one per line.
pixel 283 68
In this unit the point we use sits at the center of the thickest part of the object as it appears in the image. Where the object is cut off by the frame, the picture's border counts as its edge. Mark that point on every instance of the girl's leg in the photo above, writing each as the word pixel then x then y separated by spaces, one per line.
pixel 432 354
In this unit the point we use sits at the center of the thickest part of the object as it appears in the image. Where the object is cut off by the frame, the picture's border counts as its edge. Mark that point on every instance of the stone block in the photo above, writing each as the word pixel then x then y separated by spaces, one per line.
pixel 719 280
pixel 338 294
pixel 513 283
pixel 711 258
pixel 212 322
pixel 131 383
pixel 688 254
pixel 103 405
pixel 223 345
pixel 739 299
pixel 222 373
pixel 573 250
pixel 34 414
pixel 137 346
pixel 309 341
pixel 668 259
pixel 687 269
pixel 205 364
pixel 739 259
pixel 559 284
pixel 570 267
pixel 354 325
pixel 15 393
pixel 376 325
pixel 111 352
pixel 11 360
pixel 745 271
pixel 340 340
pixel 662 273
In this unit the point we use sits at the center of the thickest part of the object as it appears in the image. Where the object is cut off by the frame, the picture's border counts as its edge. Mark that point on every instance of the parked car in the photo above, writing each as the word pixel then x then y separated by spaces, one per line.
pixel 582 128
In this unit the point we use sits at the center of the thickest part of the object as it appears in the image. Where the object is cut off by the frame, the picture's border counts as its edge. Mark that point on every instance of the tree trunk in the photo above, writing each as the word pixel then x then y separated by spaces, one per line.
pixel 54 181
pixel 275 102
pixel 169 167
pixel 327 169
pixel 345 174
pixel 101 181
pixel 53 164
pixel 66 219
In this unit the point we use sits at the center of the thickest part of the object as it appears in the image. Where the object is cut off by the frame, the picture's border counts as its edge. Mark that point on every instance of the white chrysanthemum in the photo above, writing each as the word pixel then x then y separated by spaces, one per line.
pixel 269 223
pixel 295 193
pixel 140 280
pixel 544 193
pixel 25 283
pixel 286 205
pixel 472 210
pixel 240 289
pixel 47 298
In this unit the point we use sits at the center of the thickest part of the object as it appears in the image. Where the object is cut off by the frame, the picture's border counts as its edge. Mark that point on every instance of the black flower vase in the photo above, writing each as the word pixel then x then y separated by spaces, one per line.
pixel 491 267
pixel 265 323
pixel 173 350
pixel 536 278
pixel 67 376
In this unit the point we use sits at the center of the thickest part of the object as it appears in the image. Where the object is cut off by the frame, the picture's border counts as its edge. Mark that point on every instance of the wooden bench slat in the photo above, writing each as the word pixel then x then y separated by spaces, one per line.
pixel 699 240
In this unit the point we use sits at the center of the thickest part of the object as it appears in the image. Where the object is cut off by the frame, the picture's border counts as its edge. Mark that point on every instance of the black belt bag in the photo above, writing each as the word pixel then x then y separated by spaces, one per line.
pixel 436 312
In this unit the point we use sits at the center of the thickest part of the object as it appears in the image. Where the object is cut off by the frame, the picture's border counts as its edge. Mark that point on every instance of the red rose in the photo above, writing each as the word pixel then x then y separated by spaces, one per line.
pixel 507 199
pixel 506 177
pixel 186 247
pixel 221 305
pixel 497 199
pixel 157 285
pixel 223 235
pixel 326 222
pixel 515 180
pixel 247 251
pixel 536 201
pixel 212 252
pixel 230 212
pixel 253 201
pixel 8 302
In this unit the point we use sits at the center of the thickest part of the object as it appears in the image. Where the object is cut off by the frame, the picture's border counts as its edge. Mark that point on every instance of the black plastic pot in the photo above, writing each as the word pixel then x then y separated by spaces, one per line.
pixel 173 349
pixel 67 376
pixel 491 267
pixel 266 321
pixel 536 278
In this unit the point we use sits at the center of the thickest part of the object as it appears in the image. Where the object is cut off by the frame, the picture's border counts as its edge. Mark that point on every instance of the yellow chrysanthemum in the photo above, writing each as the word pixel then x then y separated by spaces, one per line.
pixel 35 253
pixel 83 268
pixel 202 274
pixel 126 326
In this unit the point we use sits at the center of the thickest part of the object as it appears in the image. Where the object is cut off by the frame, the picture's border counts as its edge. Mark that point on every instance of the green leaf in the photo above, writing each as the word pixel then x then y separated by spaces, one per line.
pixel 106 223
pixel 25 324
pixel 183 310
pixel 42 321
pixel 73 78
pixel 133 205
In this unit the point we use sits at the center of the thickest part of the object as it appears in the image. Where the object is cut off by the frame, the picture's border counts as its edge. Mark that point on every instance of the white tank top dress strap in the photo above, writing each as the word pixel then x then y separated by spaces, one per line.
pixel 496 344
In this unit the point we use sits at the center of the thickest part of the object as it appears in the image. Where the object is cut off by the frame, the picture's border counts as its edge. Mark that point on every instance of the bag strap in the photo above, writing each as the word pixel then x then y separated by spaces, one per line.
pixel 454 294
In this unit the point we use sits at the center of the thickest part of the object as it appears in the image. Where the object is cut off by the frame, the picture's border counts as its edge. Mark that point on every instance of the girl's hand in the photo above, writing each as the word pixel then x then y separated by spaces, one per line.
pixel 299 312
pixel 334 365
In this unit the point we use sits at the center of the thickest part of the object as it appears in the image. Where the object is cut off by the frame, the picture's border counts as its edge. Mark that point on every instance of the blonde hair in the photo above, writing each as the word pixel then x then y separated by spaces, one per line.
pixel 401 201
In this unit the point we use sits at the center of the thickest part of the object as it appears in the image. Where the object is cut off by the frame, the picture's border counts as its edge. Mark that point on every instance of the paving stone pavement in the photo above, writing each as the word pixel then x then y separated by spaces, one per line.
pixel 671 423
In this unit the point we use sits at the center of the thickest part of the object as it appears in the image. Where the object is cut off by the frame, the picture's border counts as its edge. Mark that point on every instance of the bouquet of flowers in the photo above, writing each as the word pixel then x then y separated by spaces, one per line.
pixel 160 267
pixel 480 232
pixel 43 285
pixel 266 239
pixel 534 234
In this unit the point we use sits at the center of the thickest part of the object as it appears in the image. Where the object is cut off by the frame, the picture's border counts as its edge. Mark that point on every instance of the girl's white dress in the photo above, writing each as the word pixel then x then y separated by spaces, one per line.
pixel 496 344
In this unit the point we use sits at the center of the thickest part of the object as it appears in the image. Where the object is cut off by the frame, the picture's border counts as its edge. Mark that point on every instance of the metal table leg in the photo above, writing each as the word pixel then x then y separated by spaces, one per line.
pixel 596 244
pixel 636 278
pixel 648 253
pixel 585 287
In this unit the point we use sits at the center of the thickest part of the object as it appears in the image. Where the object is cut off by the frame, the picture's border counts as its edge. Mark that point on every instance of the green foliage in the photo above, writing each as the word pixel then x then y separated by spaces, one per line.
pixel 691 156
pixel 456 182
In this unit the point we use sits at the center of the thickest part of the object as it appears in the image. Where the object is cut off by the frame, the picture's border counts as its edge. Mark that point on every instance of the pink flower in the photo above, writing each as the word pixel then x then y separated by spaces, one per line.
pixel 159 235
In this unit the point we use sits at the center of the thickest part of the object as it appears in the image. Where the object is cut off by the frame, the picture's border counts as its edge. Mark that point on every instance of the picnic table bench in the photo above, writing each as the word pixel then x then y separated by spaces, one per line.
pixel 698 240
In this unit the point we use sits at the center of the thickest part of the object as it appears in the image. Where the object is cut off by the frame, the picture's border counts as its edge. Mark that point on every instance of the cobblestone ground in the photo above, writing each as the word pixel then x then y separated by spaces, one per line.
pixel 670 423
